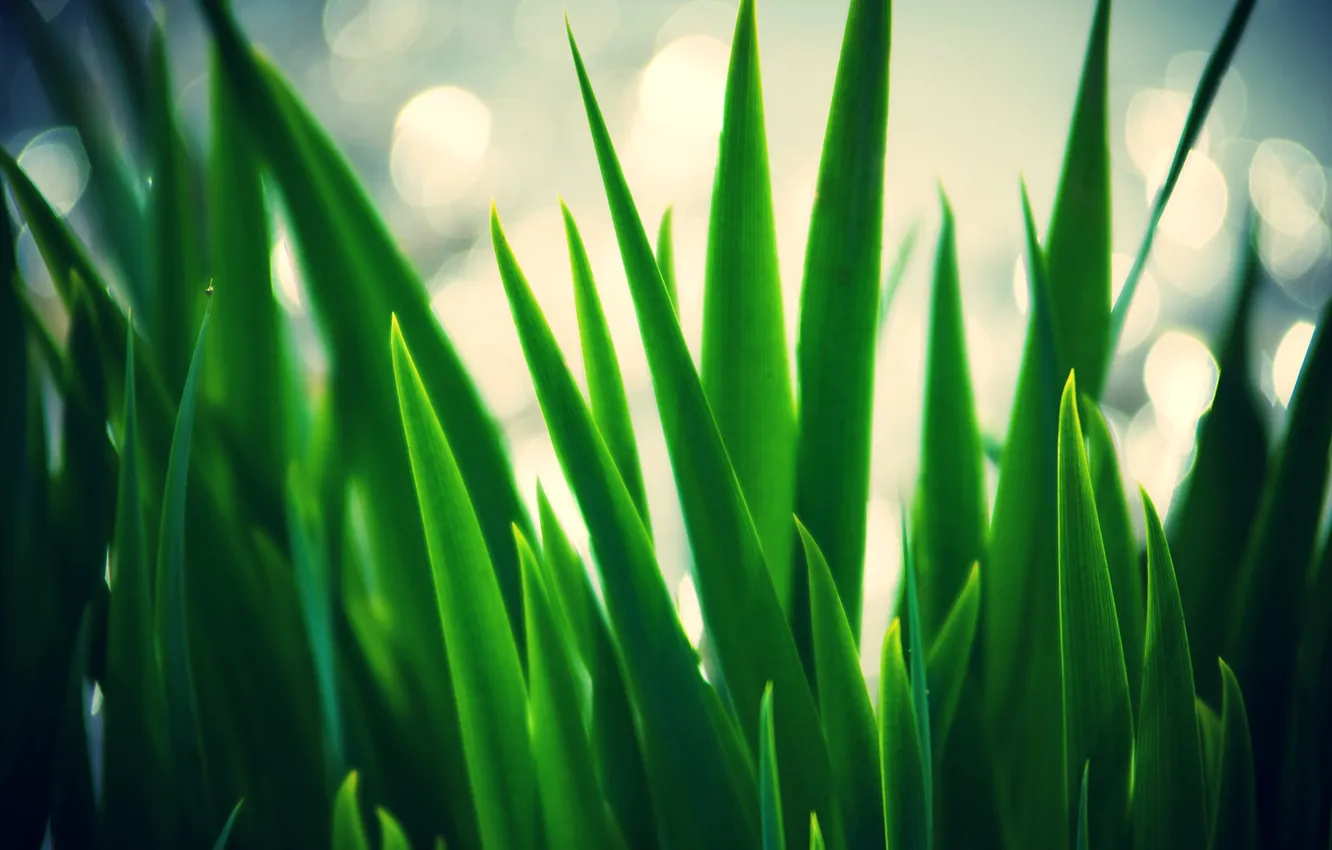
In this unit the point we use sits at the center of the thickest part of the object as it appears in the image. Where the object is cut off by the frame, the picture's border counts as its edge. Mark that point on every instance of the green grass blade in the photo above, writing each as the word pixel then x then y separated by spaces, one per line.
pixel 745 371
pixel 839 308
pixel 1208 85
pixel 666 256
pixel 897 272
pixel 906 812
pixel 770 789
pixel 487 675
pixel 848 716
pixel 700 799
pixel 1169 803
pixel 182 716
pixel 348 830
pixel 1121 544
pixel 391 835
pixel 950 661
pixel 1078 245
pixel 605 386
pixel 131 60
pixel 915 659
pixel 1306 783
pixel 570 799
pixel 137 798
pixel 815 833
pixel 225 835
pixel 73 810
pixel 949 520
pixel 1081 841
pixel 568 577
pixel 1235 818
pixel 1210 735
pixel 1218 502
pixel 744 618
pixel 1098 721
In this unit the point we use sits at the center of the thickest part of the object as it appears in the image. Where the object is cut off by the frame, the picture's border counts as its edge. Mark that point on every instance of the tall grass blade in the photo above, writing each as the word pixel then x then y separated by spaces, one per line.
pixel 1235 818
pixel 1081 840
pixel 348 829
pixel 225 835
pixel 905 806
pixel 770 789
pixel 391 835
pixel 915 658
pixel 666 256
pixel 950 662
pixel 892 281
pixel 815 833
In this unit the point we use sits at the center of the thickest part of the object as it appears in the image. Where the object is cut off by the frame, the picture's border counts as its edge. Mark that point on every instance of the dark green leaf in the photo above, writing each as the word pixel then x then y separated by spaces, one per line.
pixel 1210 734
pixel 225 834
pixel 905 807
pixel 950 661
pixel 770 789
pixel 916 654
pixel 1081 842
pixel 1235 818
pixel 73 811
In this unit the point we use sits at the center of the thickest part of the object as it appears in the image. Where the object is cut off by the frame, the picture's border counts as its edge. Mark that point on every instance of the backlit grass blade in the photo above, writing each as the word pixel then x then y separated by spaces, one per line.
pixel 745 372
pixel 390 833
pixel 950 513
pixel 839 309
pixel 1078 245
pixel 744 618
pixel 906 812
pixel 1169 803
pixel 182 715
pixel 1081 841
pixel 1098 721
pixel 666 256
pixel 1121 544
pixel 348 830
pixel 897 272
pixel 1203 96
pixel 848 716
pixel 138 806
pixel 1235 818
pixel 950 660
pixel 703 803
pixel 770 788
pixel 1218 502
pixel 1210 735
pixel 915 660
pixel 815 833
pixel 570 799
pixel 568 577
pixel 605 386
pixel 487 675
pixel 225 835
pixel 1277 569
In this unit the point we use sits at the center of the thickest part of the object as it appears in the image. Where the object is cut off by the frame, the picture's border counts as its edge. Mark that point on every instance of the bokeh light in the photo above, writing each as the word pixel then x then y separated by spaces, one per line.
pixel 683 88
pixel 1153 123
pixel 1287 185
pixel 1146 302
pixel 690 611
pixel 439 139
pixel 55 161
pixel 1180 375
pixel 538 26
pixel 1289 359
pixel 365 29
pixel 1197 208
pixel 286 273
pixel 1157 455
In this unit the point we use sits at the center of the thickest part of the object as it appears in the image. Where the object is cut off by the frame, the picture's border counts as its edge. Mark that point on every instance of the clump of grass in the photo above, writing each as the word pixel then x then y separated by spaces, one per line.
pixel 330 621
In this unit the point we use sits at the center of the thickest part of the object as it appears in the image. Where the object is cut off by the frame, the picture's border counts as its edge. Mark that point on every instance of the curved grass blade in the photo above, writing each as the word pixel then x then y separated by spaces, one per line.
pixel 770 789
pixel 745 372
pixel 1169 802
pixel 605 386
pixel 1210 734
pixel 700 800
pixel 906 812
pixel 182 715
pixel 666 257
pixel 949 520
pixel 1081 842
pixel 348 830
pixel 1077 248
pixel 390 832
pixel 741 609
pixel 839 309
pixel 1235 817
pixel 1203 95
pixel 487 675
pixel 950 661
pixel 844 705
pixel 916 654
pixel 1098 721
pixel 570 799
pixel 225 835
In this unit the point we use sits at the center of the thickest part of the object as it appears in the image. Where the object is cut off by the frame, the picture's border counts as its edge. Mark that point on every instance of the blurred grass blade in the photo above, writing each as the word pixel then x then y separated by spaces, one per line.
pixel 815 833
pixel 915 659
pixel 745 622
pixel 570 799
pixel 1169 803
pixel 605 386
pixel 1081 842
pixel 131 59
pixel 892 281
pixel 1078 245
pixel 348 831
pixel 770 789
pixel 745 371
pixel 487 675
pixel 1307 783
pixel 225 835
pixel 73 810
pixel 391 835
pixel 137 800
pixel 906 812
pixel 666 257
pixel 839 309
pixel 1235 818
pixel 182 715
pixel 950 661
pixel 13 401
pixel 1218 502
pixel 1098 722
pixel 1210 735
pixel 701 801
pixel 1121 543
pixel 1208 85
pixel 949 520
pixel 848 715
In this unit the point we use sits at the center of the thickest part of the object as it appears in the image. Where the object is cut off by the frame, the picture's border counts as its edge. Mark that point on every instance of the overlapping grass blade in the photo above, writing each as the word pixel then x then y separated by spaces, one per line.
pixel 1208 85
pixel 391 836
pixel 815 833
pixel 225 835
pixel 1077 248
pixel 949 520
pixel 905 807
pixel 950 661
pixel 1219 500
pixel 839 308
pixel 1098 721
pixel 1235 818
pixel 848 715
pixel 487 674
pixel 915 660
pixel 770 788
pixel 700 800
pixel 744 619
pixel 666 256
pixel 1081 842
pixel 568 578
pixel 605 386
pixel 118 27
pixel 348 830
pixel 1210 735
pixel 745 371
pixel 570 800
pixel 1169 801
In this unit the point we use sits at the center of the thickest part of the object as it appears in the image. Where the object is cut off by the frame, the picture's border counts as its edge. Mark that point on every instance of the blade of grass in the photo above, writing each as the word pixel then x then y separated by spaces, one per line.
pixel 915 658
pixel 906 812
pixel 391 835
pixel 666 256
pixel 1081 841
pixel 839 308
pixel 950 661
pixel 348 830
pixel 1169 803
pixel 1235 819
pixel 1210 734
pixel 1306 782
pixel 897 272
pixel 225 835
pixel 815 833
pixel 770 789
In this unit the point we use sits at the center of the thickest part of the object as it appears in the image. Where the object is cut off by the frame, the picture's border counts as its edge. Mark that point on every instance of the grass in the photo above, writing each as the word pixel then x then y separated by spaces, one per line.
pixel 330 621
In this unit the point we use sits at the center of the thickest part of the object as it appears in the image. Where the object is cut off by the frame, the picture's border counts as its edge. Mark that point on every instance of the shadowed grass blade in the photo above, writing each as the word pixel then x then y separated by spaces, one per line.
pixel 666 257
pixel 950 661
pixel 348 830
pixel 839 309
pixel 906 812
pixel 487 675
pixel 848 716
pixel 770 789
pixel 225 835
pixel 1169 804
pixel 1081 842
pixel 1210 734
pixel 1235 817
pixel 916 655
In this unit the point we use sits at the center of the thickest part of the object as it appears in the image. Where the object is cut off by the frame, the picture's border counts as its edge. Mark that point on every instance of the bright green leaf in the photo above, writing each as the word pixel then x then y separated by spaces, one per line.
pixel 348 830
pixel 950 661
pixel 770 789
pixel 666 257
pixel 905 807
pixel 391 835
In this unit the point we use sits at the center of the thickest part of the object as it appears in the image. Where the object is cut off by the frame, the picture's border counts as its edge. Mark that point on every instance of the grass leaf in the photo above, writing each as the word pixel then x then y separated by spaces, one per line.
pixel 815 833
pixel 1235 819
pixel 916 653
pixel 666 257
pixel 905 806
pixel 225 835
pixel 950 661
pixel 391 835
pixel 1081 841
pixel 348 830
pixel 770 790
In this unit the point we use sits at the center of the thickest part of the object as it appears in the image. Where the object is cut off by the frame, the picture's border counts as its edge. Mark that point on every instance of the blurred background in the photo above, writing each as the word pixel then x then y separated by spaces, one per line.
pixel 443 105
